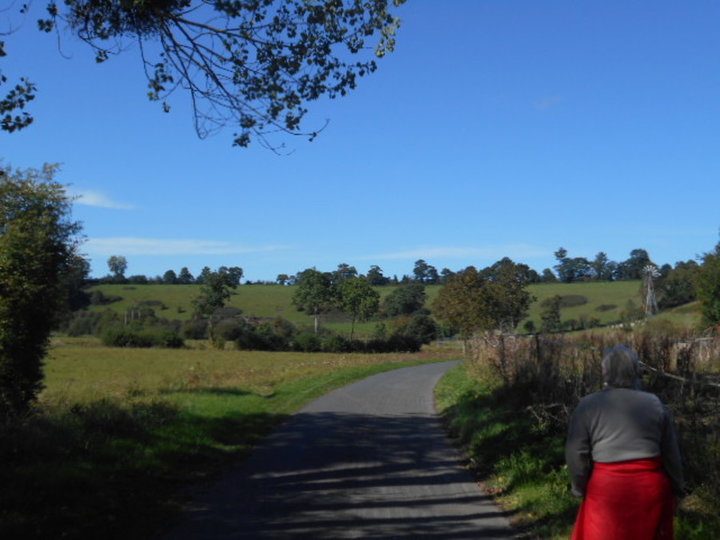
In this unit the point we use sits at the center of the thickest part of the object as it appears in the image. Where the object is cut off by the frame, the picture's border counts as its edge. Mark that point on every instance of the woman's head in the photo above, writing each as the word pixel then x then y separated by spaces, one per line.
pixel 620 367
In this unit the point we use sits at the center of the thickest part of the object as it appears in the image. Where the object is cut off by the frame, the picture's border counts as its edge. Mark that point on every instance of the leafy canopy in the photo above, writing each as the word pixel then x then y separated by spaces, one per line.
pixel 37 259
pixel 250 64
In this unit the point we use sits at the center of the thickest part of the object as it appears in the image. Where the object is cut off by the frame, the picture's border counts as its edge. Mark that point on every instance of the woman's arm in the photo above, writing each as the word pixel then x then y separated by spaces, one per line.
pixel 578 452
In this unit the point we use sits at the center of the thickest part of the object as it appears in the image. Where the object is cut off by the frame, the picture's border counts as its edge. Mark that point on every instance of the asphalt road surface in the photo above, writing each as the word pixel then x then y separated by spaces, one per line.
pixel 370 460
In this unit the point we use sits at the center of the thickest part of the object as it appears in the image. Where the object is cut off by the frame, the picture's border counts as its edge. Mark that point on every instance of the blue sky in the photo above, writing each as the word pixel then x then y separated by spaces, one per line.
pixel 497 128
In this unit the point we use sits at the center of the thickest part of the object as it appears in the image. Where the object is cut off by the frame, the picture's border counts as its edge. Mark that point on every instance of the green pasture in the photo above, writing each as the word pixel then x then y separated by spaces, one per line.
pixel 119 435
pixel 605 302
pixel 603 293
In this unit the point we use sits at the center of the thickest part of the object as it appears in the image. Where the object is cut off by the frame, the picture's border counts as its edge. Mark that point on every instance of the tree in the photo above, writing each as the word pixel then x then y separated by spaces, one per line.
pixel 678 286
pixel 425 273
pixel 572 269
pixel 707 284
pixel 185 277
pixel 235 273
pixel 253 65
pixel 375 276
pixel 601 267
pixel 117 265
pixel 215 291
pixel 204 273
pixel 495 298
pixel 405 300
pixel 359 299
pixel 315 293
pixel 37 247
pixel 632 268
pixel 343 273
pixel 282 279
pixel 445 275
pixel 550 315
pixel 548 276
pixel 170 277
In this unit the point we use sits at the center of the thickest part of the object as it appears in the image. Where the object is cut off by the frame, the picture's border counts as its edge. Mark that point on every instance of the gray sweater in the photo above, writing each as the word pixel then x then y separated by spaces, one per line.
pixel 620 424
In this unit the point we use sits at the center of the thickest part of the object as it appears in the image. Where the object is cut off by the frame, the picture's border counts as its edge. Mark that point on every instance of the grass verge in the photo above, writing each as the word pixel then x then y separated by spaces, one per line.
pixel 521 466
pixel 117 435
pixel 522 463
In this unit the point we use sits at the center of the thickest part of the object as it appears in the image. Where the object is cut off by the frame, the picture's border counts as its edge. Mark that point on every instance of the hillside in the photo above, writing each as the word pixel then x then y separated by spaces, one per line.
pixel 603 301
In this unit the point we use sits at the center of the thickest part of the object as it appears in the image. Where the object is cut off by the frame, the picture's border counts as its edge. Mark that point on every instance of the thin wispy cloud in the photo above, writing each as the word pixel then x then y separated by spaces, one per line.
pixel 514 251
pixel 97 199
pixel 548 102
pixel 165 246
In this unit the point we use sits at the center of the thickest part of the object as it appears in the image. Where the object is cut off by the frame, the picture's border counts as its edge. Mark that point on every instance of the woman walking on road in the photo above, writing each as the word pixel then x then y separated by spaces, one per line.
pixel 623 456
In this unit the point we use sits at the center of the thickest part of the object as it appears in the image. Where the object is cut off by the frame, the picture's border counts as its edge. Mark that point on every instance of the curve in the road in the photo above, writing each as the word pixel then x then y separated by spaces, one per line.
pixel 369 460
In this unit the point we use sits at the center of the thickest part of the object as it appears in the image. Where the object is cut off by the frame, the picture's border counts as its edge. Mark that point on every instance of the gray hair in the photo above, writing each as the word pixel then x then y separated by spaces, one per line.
pixel 620 367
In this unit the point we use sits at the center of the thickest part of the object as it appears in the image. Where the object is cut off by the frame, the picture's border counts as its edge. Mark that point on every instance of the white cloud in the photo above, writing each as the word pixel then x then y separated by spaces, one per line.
pixel 514 251
pixel 95 198
pixel 165 246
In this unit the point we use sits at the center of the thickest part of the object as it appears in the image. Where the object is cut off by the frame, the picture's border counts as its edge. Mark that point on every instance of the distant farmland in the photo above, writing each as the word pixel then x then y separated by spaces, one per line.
pixel 601 300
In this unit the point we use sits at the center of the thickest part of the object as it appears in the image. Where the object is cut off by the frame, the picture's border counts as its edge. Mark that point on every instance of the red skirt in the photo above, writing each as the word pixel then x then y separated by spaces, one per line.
pixel 629 500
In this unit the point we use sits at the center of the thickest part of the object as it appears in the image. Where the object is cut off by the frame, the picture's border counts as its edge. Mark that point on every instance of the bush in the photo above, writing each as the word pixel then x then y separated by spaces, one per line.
pixel 82 323
pixel 194 329
pixel 567 300
pixel 337 344
pixel 125 337
pixel 229 329
pixel 306 342
pixel 98 298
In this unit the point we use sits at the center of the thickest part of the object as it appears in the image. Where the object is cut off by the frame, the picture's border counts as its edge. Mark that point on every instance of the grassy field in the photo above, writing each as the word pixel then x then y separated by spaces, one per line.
pixel 118 434
pixel 605 301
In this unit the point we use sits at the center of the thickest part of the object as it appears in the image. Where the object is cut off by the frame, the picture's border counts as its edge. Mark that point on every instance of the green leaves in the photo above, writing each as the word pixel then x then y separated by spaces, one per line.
pixel 37 245
pixel 15 100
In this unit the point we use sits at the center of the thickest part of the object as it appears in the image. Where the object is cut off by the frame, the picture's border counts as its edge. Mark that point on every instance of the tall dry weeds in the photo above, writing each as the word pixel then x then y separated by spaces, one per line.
pixel 548 374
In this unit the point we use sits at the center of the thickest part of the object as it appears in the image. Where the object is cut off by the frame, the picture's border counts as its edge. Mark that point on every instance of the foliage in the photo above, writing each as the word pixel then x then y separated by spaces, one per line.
pixel 405 300
pixel 253 65
pixel 375 276
pixel 677 287
pixel 359 299
pixel 418 326
pixel 550 315
pixel 128 337
pixel 708 286
pixel 214 292
pixel 315 293
pixel 37 246
pixel 117 264
pixel 425 273
pixel 495 298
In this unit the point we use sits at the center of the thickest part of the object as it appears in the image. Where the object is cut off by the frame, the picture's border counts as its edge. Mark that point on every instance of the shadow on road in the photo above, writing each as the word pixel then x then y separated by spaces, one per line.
pixel 340 475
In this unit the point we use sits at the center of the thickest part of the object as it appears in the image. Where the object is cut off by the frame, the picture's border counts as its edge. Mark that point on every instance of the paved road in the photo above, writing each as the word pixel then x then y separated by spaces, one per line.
pixel 367 461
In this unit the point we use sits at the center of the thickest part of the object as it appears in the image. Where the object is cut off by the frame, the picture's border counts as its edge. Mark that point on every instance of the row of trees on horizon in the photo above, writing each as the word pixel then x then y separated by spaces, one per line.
pixel 567 270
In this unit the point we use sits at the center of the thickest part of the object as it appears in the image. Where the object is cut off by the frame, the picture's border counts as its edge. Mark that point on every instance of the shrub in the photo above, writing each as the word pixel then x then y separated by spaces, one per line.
pixel 336 344
pixel 98 298
pixel 126 337
pixel 195 329
pixel 306 342
pixel 567 300
pixel 82 323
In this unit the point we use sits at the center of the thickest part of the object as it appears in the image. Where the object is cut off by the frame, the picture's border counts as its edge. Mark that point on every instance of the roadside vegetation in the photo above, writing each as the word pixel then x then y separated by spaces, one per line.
pixel 509 407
